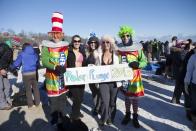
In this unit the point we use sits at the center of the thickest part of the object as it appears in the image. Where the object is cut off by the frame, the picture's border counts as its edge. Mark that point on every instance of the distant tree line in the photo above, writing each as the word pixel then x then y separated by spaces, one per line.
pixel 27 37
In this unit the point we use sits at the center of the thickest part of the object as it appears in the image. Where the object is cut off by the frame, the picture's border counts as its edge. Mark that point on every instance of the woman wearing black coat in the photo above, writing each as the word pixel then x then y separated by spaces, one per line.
pixel 76 58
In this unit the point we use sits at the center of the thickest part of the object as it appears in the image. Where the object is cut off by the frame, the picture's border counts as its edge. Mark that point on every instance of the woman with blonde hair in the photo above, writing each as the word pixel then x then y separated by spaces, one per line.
pixel 108 90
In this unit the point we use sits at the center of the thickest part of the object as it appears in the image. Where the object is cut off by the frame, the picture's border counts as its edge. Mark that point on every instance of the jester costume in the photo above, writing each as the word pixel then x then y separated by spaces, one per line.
pixel 128 54
pixel 131 53
pixel 54 54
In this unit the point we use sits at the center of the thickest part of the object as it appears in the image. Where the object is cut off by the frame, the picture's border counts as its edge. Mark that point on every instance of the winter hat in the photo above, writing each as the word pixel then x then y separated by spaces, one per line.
pixel 57 22
pixel 93 38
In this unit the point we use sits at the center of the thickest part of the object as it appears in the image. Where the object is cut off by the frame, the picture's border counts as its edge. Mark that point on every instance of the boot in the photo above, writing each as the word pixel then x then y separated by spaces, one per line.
pixel 188 114
pixel 55 118
pixel 135 120
pixel 194 122
pixel 126 119
pixel 175 101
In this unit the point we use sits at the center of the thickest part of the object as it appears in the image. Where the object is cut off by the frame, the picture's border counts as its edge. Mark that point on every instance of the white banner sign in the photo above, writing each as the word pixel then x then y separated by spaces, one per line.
pixel 97 74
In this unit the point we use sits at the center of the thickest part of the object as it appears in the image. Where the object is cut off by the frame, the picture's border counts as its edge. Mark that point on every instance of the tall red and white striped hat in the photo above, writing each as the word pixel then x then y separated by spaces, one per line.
pixel 57 22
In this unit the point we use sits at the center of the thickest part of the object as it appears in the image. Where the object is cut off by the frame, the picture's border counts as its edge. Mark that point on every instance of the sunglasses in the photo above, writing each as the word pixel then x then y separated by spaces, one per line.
pixel 125 36
pixel 93 42
pixel 77 41
pixel 107 42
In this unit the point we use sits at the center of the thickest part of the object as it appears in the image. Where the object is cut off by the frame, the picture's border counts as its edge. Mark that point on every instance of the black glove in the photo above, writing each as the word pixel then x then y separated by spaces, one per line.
pixel 60 69
pixel 15 73
pixel 134 65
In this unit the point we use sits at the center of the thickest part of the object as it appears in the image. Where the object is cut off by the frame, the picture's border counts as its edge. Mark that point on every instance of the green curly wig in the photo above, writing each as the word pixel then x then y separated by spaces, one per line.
pixel 125 30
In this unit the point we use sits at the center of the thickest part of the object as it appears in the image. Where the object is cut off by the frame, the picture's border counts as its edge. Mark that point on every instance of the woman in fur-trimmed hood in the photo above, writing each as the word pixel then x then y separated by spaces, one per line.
pixel 94 60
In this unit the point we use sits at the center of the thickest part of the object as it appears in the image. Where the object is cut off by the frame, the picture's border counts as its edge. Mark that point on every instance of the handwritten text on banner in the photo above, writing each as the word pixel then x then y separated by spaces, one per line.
pixel 97 74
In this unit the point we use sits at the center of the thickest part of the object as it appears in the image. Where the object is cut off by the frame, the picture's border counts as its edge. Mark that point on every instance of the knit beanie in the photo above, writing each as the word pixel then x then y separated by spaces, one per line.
pixel 93 38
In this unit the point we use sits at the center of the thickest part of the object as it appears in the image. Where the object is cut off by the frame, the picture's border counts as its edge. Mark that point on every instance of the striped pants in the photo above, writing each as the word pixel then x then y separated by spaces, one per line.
pixel 131 101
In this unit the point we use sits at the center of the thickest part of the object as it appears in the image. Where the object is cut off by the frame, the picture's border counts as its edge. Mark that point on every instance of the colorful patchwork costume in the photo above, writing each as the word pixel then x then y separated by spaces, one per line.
pixel 53 56
pixel 131 53
pixel 128 54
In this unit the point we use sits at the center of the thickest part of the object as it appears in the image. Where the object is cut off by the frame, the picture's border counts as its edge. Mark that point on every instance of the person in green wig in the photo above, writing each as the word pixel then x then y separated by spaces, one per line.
pixel 131 52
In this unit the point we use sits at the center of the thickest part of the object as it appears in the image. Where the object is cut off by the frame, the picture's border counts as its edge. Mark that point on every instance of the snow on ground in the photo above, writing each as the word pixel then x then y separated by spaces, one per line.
pixel 155 112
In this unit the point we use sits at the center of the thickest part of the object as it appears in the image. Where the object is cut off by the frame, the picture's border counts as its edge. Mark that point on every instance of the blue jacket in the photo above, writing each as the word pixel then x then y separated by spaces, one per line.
pixel 28 59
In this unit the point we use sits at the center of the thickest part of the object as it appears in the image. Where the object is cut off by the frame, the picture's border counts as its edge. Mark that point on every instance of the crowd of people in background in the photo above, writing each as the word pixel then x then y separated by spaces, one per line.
pixel 178 56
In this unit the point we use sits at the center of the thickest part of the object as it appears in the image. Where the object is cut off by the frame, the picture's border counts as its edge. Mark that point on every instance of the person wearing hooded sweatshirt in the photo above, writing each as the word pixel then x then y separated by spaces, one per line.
pixel 28 59
pixel 131 53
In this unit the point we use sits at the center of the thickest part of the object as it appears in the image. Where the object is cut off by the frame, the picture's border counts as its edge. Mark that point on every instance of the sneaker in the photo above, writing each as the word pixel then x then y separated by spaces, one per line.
pixel 174 101
pixel 81 115
pixel 94 113
pixel 74 120
pixel 6 108
pixel 39 105
pixel 109 122
pixel 30 107
pixel 101 123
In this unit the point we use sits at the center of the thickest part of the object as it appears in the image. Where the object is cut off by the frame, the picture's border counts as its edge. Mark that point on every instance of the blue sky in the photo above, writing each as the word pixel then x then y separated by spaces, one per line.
pixel 146 17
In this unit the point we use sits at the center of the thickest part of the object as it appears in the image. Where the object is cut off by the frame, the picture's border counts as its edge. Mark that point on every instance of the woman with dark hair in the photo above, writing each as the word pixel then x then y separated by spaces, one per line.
pixel 93 59
pixel 76 58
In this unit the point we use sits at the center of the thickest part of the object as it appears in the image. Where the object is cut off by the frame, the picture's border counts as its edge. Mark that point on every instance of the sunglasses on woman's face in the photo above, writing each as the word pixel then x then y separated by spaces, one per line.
pixel 106 42
pixel 93 42
pixel 77 41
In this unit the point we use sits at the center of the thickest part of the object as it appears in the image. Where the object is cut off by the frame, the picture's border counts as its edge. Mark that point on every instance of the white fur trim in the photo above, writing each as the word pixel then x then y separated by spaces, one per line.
pixel 134 47
pixel 51 44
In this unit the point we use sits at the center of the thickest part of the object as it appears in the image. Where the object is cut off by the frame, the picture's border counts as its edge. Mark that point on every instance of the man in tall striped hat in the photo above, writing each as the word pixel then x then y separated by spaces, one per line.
pixel 131 53
pixel 54 56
